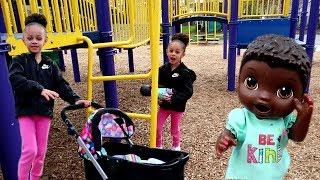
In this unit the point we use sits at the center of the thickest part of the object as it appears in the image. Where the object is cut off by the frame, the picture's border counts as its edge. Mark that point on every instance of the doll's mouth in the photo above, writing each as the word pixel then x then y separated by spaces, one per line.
pixel 262 108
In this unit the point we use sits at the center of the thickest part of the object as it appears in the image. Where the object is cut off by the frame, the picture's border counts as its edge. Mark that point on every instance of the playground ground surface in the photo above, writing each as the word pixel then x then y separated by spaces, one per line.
pixel 203 121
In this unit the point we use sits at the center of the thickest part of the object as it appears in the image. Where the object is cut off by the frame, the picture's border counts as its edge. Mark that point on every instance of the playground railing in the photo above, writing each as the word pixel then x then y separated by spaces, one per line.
pixel 120 24
pixel 87 14
pixel 254 9
pixel 182 9
pixel 66 21
pixel 154 14
pixel 263 8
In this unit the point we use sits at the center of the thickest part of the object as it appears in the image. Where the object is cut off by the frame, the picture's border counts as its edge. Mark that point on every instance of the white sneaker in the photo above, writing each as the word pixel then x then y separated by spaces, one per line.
pixel 178 148
pixel 160 147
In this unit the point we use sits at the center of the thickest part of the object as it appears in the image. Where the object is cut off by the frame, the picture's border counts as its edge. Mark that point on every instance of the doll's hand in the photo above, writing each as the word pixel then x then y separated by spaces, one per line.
pixel 46 93
pixel 86 103
pixel 304 108
pixel 167 98
pixel 224 141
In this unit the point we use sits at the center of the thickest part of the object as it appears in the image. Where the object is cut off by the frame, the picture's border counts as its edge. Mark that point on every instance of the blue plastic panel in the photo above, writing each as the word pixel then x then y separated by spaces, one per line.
pixel 248 30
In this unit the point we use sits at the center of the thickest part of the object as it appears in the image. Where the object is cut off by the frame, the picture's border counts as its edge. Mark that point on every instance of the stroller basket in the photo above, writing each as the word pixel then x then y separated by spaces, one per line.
pixel 110 166
pixel 121 169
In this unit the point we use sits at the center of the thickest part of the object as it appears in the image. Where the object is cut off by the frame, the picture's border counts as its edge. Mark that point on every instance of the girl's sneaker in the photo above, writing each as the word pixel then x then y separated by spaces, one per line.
pixel 177 148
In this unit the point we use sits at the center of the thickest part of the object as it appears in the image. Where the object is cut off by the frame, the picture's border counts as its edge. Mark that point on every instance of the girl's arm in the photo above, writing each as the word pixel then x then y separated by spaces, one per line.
pixel 304 109
pixel 63 87
pixel 224 141
pixel 20 84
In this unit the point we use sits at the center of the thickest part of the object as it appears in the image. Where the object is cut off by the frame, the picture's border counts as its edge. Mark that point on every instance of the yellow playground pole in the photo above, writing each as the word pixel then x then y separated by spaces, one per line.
pixel 155 60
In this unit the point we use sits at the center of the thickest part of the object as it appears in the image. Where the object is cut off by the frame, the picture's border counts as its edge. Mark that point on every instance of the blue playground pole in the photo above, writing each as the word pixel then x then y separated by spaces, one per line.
pixel 165 28
pixel 130 59
pixel 303 21
pixel 2 26
pixel 238 51
pixel 176 28
pixel 61 61
pixel 294 18
pixel 75 65
pixel 225 31
pixel 232 44
pixel 173 29
pixel 106 54
pixel 312 29
pixel 10 136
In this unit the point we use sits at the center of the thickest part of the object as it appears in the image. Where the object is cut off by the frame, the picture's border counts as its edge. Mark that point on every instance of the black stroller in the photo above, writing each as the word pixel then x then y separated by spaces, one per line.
pixel 121 161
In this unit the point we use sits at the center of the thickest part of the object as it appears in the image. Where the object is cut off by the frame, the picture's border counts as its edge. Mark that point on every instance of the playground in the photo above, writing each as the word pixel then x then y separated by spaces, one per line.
pixel 119 51
pixel 204 119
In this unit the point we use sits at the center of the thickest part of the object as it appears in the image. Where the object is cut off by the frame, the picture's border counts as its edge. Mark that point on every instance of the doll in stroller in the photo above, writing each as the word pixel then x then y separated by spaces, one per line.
pixel 116 160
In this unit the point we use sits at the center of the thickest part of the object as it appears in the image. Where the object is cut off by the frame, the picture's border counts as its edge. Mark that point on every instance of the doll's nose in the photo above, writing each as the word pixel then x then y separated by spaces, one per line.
pixel 264 95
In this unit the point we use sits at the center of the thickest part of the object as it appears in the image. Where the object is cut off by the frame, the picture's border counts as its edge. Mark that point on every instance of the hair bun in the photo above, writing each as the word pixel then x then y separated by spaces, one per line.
pixel 36 18
pixel 181 37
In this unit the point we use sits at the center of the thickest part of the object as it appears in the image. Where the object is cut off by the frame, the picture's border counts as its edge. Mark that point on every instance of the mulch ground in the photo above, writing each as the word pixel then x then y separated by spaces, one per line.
pixel 203 121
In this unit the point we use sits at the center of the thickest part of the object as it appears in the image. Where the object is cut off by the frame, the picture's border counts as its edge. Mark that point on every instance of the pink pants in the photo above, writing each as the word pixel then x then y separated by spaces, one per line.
pixel 176 117
pixel 34 132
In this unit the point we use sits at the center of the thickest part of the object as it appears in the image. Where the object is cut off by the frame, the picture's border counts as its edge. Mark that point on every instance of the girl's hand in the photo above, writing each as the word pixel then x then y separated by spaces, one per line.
pixel 86 103
pixel 46 93
pixel 304 108
pixel 224 141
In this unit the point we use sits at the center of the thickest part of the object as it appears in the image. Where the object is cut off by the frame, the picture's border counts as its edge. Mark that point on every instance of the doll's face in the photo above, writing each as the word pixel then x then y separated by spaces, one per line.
pixel 268 92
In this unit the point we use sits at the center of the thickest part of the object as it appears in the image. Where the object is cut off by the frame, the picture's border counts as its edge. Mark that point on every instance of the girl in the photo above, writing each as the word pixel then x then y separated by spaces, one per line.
pixel 273 76
pixel 36 82
pixel 177 76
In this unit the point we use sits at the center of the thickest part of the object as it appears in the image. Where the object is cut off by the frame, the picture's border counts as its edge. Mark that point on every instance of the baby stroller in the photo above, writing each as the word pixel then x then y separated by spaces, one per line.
pixel 116 160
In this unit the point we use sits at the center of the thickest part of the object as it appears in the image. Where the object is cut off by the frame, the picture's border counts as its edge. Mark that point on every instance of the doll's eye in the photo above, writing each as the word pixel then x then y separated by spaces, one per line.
pixel 285 92
pixel 251 83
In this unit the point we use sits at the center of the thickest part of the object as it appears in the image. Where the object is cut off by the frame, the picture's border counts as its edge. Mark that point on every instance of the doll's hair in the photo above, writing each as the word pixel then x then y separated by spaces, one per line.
pixel 182 38
pixel 36 18
pixel 279 51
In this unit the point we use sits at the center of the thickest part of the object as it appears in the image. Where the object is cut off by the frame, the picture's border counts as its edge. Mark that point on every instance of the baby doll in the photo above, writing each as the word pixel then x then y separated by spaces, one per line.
pixel 145 90
pixel 273 76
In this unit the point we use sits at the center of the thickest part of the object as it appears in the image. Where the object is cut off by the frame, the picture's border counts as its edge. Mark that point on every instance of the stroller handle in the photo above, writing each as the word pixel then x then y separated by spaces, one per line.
pixel 70 128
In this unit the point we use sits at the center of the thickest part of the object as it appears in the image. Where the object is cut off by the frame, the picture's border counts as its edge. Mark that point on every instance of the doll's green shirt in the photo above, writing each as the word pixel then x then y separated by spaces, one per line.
pixel 261 149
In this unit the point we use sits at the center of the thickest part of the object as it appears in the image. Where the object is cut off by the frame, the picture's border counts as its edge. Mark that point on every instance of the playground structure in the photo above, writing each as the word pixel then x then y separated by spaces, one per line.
pixel 202 31
pixel 205 30
pixel 105 25
pixel 245 20
pixel 79 23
